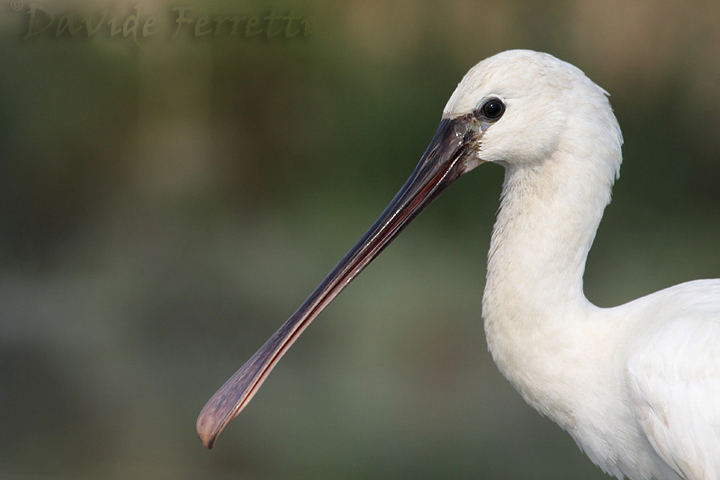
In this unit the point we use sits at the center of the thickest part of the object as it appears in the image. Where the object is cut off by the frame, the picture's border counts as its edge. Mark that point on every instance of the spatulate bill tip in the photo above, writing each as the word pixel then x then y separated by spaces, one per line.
pixel 208 441
pixel 207 432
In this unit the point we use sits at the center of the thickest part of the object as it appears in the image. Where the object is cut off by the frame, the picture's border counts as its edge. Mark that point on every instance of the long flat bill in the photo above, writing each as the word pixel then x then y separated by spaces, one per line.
pixel 451 154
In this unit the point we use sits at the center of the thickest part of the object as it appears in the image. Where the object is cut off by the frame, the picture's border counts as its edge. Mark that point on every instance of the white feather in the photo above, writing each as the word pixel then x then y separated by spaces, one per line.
pixel 637 386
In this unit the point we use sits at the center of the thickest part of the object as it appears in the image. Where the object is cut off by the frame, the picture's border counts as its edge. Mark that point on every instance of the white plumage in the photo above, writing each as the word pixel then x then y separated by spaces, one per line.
pixel 637 386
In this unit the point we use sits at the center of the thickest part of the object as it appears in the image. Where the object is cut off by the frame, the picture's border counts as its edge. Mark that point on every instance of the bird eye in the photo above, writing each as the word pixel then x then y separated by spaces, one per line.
pixel 493 109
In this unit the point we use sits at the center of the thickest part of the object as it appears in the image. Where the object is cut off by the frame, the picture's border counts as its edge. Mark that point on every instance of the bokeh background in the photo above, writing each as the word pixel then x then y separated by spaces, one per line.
pixel 166 203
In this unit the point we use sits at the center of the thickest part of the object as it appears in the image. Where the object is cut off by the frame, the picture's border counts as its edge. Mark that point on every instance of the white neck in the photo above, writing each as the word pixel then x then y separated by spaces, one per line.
pixel 534 302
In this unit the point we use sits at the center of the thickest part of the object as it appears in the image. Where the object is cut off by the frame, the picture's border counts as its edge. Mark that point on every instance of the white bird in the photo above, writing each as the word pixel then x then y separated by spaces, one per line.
pixel 637 386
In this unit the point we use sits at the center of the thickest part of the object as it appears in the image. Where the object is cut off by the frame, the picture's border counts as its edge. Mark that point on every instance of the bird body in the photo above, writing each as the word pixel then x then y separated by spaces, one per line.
pixel 637 386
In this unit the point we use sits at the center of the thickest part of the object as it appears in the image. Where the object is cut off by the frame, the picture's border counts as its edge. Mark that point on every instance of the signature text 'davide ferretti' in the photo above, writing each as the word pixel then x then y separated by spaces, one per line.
pixel 136 24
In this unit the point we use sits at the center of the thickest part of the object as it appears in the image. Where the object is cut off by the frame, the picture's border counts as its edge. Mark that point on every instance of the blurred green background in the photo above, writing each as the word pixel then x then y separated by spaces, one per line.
pixel 166 203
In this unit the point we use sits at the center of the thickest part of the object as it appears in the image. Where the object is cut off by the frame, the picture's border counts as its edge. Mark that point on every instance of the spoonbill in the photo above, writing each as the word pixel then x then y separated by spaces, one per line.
pixel 637 386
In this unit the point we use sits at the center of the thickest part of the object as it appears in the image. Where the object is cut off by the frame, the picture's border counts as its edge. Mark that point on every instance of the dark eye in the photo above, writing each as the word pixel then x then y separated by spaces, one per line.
pixel 493 109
